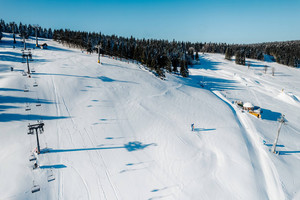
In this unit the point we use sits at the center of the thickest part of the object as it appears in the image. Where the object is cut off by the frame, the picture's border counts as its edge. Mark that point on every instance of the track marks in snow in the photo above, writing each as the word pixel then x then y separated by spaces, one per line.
pixel 266 167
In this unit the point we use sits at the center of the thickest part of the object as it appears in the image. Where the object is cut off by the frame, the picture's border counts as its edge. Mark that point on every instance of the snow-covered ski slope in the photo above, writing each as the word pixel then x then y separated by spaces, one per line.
pixel 115 131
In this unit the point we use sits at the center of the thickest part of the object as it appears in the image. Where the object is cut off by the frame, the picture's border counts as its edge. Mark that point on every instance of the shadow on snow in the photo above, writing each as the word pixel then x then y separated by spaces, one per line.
pixel 130 146
pixel 208 82
pixel 58 166
pixel 11 99
pixel 102 78
pixel 7 117
pixel 269 115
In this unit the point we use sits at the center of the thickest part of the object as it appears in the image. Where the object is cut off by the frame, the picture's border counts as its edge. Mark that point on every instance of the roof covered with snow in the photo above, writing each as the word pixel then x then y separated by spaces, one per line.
pixel 248 105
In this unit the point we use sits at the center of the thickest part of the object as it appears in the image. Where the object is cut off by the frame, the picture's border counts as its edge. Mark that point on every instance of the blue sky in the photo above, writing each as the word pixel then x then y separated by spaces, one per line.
pixel 230 21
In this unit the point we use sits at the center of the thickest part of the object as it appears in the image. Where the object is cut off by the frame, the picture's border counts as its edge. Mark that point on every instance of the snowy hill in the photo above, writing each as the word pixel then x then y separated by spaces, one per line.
pixel 115 131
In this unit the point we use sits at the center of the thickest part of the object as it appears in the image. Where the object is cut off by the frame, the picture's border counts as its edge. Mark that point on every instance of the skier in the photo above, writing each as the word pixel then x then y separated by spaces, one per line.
pixel 192 126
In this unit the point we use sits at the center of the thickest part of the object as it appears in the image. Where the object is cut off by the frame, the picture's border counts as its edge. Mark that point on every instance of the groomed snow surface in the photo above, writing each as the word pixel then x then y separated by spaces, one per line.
pixel 115 131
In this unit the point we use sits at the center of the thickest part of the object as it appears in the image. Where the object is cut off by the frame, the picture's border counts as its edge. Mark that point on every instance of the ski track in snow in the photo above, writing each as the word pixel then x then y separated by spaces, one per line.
pixel 271 178
pixel 98 109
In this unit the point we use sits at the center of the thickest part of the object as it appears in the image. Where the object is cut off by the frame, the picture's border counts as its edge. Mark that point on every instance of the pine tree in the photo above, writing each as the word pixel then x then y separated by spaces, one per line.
pixel 228 53
pixel 240 58
pixel 183 69
pixel 175 64
pixel 197 55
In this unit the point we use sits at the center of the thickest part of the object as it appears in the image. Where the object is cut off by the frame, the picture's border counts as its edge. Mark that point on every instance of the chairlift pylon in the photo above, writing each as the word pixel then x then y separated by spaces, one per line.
pixel 35 83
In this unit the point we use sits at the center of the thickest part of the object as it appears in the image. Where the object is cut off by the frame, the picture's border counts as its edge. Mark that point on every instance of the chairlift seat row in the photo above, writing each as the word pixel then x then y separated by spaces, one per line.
pixel 35 188
pixel 51 176
pixel 32 157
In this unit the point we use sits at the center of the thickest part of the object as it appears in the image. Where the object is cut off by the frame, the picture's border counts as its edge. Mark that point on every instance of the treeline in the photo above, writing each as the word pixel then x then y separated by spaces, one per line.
pixel 158 55
pixel 161 55
pixel 286 53
pixel 25 30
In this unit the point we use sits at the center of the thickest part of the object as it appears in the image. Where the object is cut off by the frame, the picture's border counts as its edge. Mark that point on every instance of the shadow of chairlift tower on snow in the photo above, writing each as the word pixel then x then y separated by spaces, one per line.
pixel 130 146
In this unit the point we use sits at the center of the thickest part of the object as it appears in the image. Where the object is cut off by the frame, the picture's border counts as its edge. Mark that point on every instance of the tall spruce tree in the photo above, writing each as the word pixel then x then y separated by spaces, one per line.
pixel 228 53
pixel 184 69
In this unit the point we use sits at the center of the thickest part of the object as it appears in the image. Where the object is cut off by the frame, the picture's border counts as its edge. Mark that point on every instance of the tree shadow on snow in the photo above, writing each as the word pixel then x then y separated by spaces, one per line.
pixel 10 53
pixel 12 99
pixel 4 107
pixel 269 115
pixel 18 59
pixel 4 68
pixel 102 78
pixel 8 117
pixel 206 64
pixel 52 48
pixel 11 90
pixel 208 82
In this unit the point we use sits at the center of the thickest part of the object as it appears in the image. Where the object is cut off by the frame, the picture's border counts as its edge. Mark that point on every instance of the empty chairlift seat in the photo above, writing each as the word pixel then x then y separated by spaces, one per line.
pixel 32 157
pixel 27 108
pixel 35 188
pixel 51 176
pixel 38 103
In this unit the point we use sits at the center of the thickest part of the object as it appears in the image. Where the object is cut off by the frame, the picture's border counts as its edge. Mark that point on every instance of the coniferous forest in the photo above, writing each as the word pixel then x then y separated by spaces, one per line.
pixel 160 55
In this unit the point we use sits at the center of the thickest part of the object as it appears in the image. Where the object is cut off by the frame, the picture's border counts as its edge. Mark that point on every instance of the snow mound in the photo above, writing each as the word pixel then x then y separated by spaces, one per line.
pixel 288 98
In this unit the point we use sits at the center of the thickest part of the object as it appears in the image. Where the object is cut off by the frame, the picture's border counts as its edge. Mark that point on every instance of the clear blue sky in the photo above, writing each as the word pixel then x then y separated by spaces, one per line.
pixel 231 21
